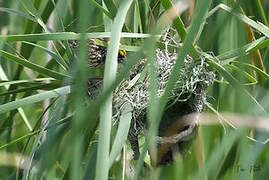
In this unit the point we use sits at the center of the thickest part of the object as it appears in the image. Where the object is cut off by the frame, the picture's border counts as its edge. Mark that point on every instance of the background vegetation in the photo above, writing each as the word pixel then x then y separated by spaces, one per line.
pixel 49 129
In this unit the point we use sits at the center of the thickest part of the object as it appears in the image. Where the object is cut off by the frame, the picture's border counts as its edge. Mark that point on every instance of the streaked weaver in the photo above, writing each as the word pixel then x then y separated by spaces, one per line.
pixel 96 52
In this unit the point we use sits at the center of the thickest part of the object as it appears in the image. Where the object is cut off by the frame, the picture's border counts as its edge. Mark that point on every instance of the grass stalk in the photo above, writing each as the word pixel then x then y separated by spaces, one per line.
pixel 102 166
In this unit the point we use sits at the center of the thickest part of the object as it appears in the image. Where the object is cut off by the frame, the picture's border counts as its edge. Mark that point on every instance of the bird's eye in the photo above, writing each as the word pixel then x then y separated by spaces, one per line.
pixel 123 53
pixel 73 43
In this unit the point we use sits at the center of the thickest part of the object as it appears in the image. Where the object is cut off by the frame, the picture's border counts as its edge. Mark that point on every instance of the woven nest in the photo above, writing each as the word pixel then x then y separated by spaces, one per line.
pixel 190 90
pixel 194 79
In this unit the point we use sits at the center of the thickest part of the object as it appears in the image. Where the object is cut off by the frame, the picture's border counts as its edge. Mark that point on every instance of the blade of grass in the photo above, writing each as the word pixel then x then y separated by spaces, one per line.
pixel 153 108
pixel 143 15
pixel 18 13
pixel 15 141
pixel 140 163
pixel 66 36
pixel 46 86
pixel 54 55
pixel 256 25
pixel 22 82
pixel 33 66
pixel 102 166
pixel 78 134
pixel 102 9
pixel 256 57
pixel 260 11
pixel 251 80
pixel 111 7
pixel 89 173
pixel 252 67
pixel 122 132
pixel 137 18
pixel 30 8
pixel 34 98
pixel 247 49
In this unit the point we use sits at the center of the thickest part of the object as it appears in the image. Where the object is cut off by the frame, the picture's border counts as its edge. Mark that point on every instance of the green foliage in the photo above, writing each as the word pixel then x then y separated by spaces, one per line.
pixel 50 129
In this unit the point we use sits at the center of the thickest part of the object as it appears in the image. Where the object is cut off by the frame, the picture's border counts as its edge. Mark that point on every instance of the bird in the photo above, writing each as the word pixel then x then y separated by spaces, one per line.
pixel 96 51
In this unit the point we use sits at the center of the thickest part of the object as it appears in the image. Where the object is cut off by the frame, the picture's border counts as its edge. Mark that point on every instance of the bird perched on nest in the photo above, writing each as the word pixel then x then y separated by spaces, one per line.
pixel 97 51
pixel 96 58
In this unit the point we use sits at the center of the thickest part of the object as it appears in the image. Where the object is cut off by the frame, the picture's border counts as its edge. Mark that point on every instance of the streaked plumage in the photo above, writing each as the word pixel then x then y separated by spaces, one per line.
pixel 96 53
pixel 97 57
